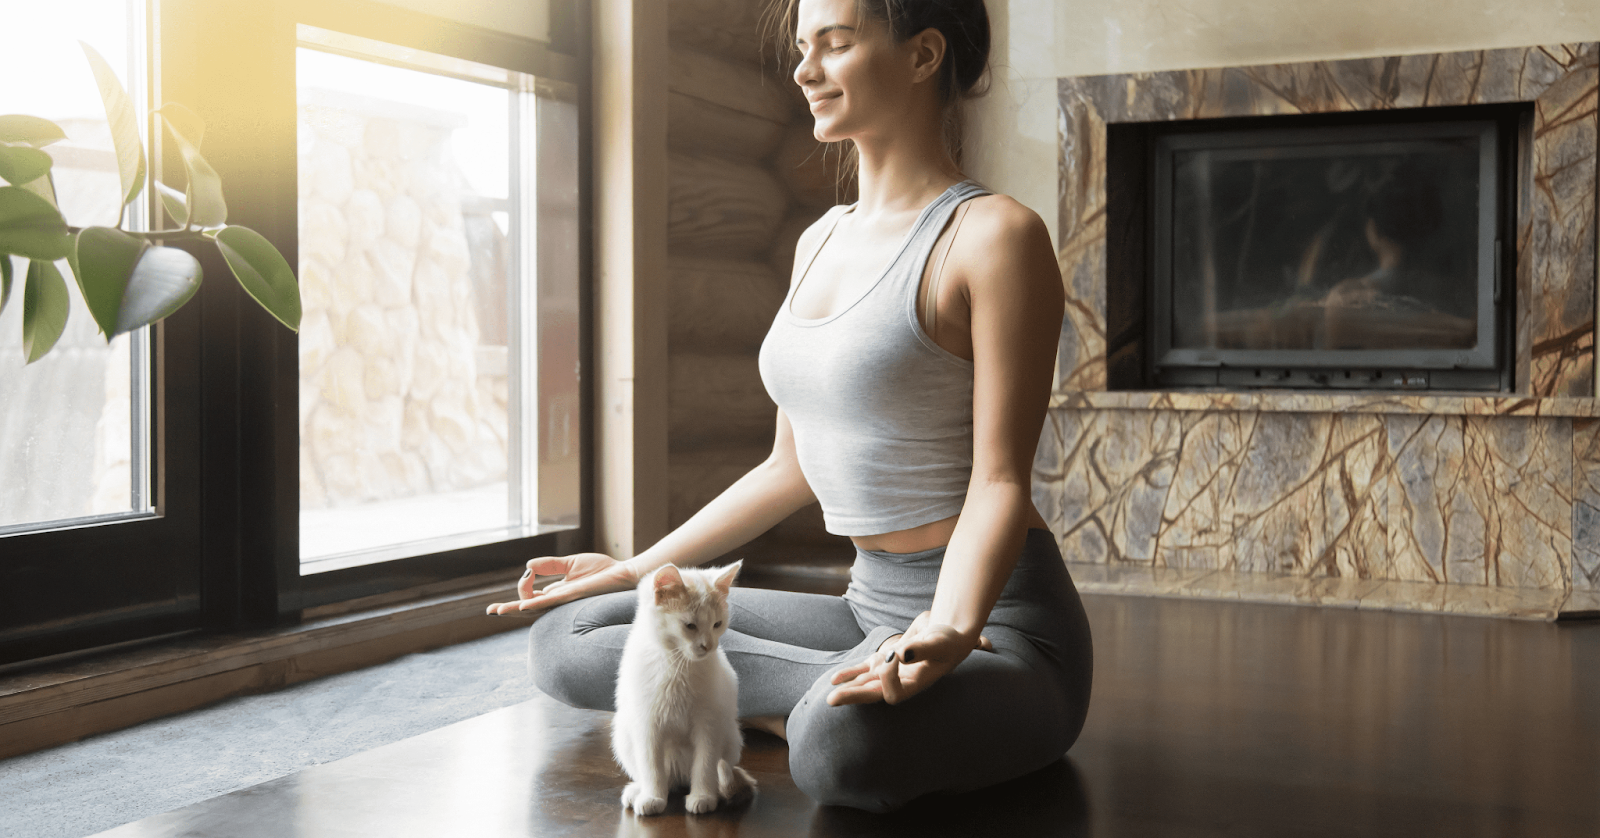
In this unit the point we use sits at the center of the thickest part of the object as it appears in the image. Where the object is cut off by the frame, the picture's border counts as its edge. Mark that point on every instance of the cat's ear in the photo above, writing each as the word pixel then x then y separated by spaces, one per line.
pixel 724 580
pixel 667 582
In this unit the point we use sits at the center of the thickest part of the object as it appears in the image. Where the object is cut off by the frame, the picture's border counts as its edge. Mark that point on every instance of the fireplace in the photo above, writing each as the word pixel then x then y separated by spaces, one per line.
pixel 1332 251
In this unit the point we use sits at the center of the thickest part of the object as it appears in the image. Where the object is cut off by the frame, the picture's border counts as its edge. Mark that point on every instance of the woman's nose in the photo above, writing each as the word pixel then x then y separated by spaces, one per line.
pixel 807 70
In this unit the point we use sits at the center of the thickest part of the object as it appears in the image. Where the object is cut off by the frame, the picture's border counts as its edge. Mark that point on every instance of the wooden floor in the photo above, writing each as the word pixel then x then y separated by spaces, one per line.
pixel 1209 719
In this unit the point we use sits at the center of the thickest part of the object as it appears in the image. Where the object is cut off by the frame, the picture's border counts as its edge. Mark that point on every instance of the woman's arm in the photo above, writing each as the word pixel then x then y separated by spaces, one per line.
pixel 1017 302
pixel 1006 270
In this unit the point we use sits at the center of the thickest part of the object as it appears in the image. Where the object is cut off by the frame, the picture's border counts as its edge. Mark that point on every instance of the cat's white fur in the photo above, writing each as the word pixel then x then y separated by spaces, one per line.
pixel 677 719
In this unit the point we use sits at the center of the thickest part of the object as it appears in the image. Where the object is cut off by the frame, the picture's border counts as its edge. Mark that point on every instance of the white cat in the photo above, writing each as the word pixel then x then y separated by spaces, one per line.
pixel 677 720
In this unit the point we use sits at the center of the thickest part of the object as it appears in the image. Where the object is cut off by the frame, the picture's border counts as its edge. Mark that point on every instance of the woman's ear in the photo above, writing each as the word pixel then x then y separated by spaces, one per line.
pixel 928 49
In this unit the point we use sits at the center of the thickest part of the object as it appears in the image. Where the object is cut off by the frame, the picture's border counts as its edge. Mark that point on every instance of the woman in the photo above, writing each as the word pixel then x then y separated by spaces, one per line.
pixel 911 364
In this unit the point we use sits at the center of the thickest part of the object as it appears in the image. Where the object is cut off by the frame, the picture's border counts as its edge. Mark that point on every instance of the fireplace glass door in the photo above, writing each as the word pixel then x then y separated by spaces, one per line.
pixel 1355 256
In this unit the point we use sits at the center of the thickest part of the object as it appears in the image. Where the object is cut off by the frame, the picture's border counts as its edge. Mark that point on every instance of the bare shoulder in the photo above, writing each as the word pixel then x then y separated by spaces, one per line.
pixel 1001 240
pixel 1005 220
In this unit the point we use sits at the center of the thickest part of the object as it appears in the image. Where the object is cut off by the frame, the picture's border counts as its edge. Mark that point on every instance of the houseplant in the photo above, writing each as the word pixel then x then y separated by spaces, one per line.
pixel 128 279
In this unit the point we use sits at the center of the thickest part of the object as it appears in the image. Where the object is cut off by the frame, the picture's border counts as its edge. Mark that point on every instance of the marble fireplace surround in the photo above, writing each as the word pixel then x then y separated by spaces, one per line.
pixel 1483 505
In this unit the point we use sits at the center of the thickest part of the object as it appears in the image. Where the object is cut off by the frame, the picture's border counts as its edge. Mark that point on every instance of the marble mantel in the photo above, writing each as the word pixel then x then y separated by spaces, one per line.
pixel 1492 503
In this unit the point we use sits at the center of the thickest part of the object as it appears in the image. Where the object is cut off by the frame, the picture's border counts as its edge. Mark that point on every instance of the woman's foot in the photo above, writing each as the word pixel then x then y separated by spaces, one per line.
pixel 775 725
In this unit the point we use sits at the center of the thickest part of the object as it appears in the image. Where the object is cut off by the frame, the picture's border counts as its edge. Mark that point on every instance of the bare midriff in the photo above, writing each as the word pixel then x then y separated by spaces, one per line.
pixel 927 536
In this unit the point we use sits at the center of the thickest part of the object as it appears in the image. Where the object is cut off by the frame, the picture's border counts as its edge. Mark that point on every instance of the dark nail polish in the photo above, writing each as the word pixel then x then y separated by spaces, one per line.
pixel 910 656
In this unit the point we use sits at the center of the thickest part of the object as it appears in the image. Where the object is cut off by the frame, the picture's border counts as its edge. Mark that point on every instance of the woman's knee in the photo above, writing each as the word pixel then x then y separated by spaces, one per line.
pixel 837 758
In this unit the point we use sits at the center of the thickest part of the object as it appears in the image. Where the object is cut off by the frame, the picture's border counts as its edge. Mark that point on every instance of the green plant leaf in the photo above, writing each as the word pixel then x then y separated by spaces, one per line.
pixel 30 226
pixel 45 188
pixel 44 309
pixel 162 282
pixel 104 262
pixel 124 124
pixel 263 272
pixel 21 165
pixel 203 195
pixel 5 280
pixel 176 203
pixel 29 130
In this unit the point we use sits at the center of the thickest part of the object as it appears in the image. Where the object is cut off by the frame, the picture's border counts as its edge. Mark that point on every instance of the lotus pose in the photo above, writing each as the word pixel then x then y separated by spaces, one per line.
pixel 911 364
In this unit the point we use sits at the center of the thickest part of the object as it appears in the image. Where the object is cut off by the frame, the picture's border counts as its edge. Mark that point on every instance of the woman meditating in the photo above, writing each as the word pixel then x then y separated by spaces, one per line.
pixel 911 364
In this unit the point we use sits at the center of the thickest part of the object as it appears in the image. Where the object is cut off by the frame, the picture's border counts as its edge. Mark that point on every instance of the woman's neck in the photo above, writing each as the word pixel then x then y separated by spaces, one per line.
pixel 903 171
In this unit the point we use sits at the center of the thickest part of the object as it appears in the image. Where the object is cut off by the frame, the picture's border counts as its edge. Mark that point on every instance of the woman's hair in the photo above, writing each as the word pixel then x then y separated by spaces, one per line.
pixel 962 73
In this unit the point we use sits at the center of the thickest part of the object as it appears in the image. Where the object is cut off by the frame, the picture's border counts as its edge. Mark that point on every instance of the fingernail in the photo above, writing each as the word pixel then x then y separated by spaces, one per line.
pixel 891 656
pixel 527 573
pixel 910 656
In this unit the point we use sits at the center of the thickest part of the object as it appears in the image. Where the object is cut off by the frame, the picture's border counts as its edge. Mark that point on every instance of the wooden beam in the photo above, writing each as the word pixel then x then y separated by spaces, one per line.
pixel 718 401
pixel 722 208
pixel 630 171
pixel 729 28
pixel 734 86
pixel 700 127
pixel 721 305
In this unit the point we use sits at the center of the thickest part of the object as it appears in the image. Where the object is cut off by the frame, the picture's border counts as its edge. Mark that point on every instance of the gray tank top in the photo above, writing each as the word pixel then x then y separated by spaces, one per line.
pixel 882 415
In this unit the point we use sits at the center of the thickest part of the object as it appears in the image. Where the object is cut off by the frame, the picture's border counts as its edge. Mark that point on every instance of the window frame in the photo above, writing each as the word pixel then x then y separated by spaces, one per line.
pixel 270 586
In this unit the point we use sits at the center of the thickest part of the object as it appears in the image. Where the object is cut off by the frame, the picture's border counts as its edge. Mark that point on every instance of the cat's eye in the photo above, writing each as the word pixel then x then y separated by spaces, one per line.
pixel 689 626
pixel 717 625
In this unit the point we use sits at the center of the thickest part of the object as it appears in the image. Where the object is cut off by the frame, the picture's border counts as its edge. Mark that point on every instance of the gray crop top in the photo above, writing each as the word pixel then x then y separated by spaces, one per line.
pixel 882 415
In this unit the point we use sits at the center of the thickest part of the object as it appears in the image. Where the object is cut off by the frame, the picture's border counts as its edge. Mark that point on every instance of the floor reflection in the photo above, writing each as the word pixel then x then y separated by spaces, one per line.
pixel 1049 803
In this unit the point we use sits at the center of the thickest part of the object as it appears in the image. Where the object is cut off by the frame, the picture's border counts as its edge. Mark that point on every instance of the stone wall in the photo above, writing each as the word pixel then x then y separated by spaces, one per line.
pixel 398 396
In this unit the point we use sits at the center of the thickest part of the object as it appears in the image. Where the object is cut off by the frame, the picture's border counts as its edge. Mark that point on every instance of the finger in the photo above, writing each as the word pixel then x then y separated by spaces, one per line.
pixel 850 672
pixel 856 695
pixel 550 565
pixel 985 644
pixel 893 690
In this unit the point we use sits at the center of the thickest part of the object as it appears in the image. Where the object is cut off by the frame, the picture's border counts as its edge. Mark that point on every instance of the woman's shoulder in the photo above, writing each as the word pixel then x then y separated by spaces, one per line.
pixel 1002 240
pixel 1001 220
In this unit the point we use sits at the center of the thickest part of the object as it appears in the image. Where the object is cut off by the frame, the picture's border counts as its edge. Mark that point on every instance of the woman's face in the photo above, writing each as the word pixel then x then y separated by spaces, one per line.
pixel 854 76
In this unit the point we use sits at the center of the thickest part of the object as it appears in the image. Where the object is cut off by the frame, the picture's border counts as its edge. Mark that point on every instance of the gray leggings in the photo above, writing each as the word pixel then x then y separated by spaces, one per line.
pixel 996 716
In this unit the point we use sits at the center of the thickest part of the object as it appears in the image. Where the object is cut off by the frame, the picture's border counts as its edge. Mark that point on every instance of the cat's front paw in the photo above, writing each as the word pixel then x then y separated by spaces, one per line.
pixel 646 805
pixel 699 804
pixel 630 793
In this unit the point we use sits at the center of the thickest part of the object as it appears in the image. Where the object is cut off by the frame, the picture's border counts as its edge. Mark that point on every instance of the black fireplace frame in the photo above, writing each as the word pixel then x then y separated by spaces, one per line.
pixel 1139 270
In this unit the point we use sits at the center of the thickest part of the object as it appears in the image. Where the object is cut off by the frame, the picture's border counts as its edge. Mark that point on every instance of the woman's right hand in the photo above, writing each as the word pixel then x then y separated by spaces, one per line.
pixel 587 574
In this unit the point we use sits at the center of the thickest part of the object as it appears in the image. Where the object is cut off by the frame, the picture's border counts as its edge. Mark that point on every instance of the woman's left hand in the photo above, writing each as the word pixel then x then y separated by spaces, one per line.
pixel 905 665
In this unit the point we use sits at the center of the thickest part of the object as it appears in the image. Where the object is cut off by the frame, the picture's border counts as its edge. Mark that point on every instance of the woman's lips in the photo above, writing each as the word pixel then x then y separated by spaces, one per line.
pixel 823 100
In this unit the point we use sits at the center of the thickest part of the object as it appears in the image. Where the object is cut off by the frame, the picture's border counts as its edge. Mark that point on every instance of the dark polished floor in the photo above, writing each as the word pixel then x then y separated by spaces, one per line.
pixel 1209 719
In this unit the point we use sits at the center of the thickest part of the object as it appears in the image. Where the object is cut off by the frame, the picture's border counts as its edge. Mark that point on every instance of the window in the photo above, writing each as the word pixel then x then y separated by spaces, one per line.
pixel 233 497
pixel 425 414
pixel 75 422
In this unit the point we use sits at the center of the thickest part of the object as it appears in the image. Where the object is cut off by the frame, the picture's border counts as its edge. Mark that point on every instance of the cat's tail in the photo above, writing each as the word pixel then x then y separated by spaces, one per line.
pixel 734 784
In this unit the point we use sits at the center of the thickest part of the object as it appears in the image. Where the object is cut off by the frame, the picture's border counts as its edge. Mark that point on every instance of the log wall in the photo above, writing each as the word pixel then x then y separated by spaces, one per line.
pixel 745 178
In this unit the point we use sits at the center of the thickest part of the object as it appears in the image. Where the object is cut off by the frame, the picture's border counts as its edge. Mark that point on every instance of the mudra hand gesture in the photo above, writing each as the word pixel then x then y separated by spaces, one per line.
pixel 906 664
pixel 587 574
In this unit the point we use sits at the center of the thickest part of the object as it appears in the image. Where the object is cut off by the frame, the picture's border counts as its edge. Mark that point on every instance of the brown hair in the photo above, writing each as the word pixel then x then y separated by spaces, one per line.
pixel 962 72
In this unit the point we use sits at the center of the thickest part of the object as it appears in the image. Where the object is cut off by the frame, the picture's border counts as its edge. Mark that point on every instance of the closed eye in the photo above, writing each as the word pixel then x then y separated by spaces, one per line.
pixel 690 626
pixel 717 625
